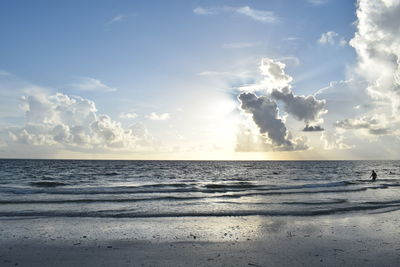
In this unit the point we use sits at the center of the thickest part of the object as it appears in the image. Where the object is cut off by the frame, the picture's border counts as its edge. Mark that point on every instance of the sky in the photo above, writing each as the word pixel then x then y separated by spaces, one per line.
pixel 200 80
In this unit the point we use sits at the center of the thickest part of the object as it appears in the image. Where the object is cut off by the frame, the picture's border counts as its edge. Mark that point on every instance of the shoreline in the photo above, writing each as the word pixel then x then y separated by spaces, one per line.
pixel 351 240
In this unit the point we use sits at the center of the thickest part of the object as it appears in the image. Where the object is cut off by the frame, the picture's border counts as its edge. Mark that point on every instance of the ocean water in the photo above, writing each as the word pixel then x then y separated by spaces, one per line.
pixel 138 189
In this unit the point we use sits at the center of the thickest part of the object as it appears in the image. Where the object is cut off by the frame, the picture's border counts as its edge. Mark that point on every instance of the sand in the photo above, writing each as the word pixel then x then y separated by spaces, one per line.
pixel 340 240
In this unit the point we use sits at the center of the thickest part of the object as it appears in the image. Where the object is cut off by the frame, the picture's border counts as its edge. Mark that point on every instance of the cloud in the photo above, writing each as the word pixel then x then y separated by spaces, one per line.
pixel 158 117
pixel 127 115
pixel 250 141
pixel 331 38
pixel 377 43
pixel 71 123
pixel 291 59
pixel 205 11
pixel 318 2
pixel 332 140
pixel 303 108
pixel 277 82
pixel 259 15
pixel 374 125
pixel 116 19
pixel 274 72
pixel 274 76
pixel 370 103
pixel 311 128
pixel 263 16
pixel 264 112
pixel 91 85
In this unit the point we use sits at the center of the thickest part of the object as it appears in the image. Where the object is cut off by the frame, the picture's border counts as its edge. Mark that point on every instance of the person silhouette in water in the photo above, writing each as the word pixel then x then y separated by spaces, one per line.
pixel 373 175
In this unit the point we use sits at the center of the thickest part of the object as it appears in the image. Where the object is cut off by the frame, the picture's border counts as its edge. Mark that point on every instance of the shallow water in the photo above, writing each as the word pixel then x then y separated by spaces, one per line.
pixel 74 188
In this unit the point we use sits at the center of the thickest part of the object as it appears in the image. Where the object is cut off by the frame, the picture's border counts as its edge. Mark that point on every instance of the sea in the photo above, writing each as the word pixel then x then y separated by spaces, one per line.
pixel 146 189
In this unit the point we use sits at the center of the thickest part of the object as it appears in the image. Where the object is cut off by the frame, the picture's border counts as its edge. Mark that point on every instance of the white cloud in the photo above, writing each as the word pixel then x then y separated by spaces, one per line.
pixel 204 11
pixel 377 43
pixel 290 59
pixel 273 76
pixel 70 123
pixel 116 19
pixel 264 16
pixel 318 2
pixel 274 72
pixel 259 15
pixel 332 38
pixel 158 117
pixel 332 140
pixel 249 140
pixel 91 85
pixel 127 115
pixel 367 107
pixel 375 125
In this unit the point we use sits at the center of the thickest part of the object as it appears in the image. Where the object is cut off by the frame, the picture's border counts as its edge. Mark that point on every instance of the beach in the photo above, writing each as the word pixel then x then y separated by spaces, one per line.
pixel 180 213
pixel 360 239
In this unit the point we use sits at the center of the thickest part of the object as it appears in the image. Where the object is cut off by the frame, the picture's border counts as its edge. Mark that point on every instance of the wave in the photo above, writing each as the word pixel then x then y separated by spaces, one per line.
pixel 244 185
pixel 47 184
pixel 235 189
pixel 166 185
pixel 172 198
pixel 306 203
pixel 85 200
pixel 237 213
pixel 302 192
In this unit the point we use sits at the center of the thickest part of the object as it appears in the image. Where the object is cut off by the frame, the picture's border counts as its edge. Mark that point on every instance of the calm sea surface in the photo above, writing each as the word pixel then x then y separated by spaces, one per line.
pixel 130 189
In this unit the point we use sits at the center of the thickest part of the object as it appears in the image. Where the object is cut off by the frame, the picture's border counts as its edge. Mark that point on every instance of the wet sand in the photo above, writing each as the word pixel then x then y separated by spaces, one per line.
pixel 345 240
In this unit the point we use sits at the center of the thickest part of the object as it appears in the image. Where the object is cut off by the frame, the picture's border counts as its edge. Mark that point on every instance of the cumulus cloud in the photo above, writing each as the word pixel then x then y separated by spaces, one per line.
pixel 332 140
pixel 377 43
pixel 91 85
pixel 70 122
pixel 158 117
pixel 365 108
pixel 374 125
pixel 264 112
pixel 331 38
pixel 342 97
pixel 277 82
pixel 274 76
pixel 264 16
pixel 249 140
pixel 303 108
pixel 274 72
